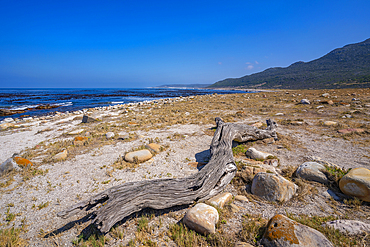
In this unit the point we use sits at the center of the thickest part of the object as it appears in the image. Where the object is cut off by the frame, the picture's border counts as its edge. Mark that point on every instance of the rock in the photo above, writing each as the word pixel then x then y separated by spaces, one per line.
pixel 61 155
pixel 272 162
pixel 273 187
pixel 329 102
pixel 221 199
pixel 320 106
pixel 347 131
pixel 80 140
pixel 8 166
pixel 76 132
pixel 141 156
pixel 123 136
pixel 242 244
pixel 330 123
pixel 109 135
pixel 88 119
pixel 279 114
pixel 24 163
pixel 305 102
pixel 282 231
pixel 312 171
pixel 254 154
pixel 325 95
pixel 356 183
pixel 154 147
pixel 257 125
pixel 350 227
pixel 4 126
pixel 202 218
pixel 241 198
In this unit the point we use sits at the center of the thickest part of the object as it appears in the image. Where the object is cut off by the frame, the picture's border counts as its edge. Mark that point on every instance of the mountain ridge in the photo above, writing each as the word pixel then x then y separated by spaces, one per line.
pixel 344 67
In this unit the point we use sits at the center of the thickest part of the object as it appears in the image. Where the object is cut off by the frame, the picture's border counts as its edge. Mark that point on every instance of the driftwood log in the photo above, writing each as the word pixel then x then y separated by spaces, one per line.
pixel 122 200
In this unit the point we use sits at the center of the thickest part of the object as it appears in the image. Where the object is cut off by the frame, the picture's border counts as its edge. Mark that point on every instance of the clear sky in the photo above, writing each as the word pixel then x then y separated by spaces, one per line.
pixel 112 44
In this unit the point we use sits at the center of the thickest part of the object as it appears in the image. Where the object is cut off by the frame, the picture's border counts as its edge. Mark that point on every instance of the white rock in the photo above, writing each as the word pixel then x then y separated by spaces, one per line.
pixel 351 227
pixel 221 199
pixel 109 135
pixel 312 171
pixel 255 154
pixel 76 132
pixel 305 102
pixel 202 218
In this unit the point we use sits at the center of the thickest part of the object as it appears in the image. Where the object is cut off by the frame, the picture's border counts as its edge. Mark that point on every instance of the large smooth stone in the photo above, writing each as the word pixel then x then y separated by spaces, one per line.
pixel 282 231
pixel 351 227
pixel 8 166
pixel 202 218
pixel 22 162
pixel 109 135
pixel 330 123
pixel 273 187
pixel 356 183
pixel 221 199
pixel 312 171
pixel 255 154
pixel 142 155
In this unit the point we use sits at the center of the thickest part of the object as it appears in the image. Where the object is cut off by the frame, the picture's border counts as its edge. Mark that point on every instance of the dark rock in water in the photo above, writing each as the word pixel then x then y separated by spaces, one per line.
pixel 4 112
pixel 87 119
pixel 47 106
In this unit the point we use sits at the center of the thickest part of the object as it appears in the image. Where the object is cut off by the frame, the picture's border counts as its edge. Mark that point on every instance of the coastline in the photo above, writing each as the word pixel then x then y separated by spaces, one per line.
pixel 183 126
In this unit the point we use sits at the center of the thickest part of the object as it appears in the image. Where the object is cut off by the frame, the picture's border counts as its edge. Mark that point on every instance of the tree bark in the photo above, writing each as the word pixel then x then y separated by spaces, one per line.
pixel 122 200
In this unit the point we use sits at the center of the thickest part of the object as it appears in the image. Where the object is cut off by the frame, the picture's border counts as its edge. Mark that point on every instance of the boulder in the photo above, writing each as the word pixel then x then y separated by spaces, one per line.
pixel 141 156
pixel 221 199
pixel 61 155
pixel 282 231
pixel 350 227
pixel 202 218
pixel 154 147
pixel 109 135
pixel 273 187
pixel 356 183
pixel 8 166
pixel 312 171
pixel 257 125
pixel 255 154
pixel 305 102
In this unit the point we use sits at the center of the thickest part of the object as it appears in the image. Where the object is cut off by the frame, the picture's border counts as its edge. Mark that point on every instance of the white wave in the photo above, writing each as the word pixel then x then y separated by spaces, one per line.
pixel 117 102
pixel 22 107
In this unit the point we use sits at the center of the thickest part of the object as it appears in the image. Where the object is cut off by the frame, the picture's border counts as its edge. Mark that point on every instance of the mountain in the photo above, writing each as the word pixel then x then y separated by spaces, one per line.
pixel 346 67
pixel 185 86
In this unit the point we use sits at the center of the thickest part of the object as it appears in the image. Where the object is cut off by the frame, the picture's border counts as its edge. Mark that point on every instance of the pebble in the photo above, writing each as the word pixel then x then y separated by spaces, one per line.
pixel 76 132
pixel 154 147
pixel 330 123
pixel 241 198
pixel 202 218
pixel 61 156
pixel 356 183
pixel 109 135
pixel 305 102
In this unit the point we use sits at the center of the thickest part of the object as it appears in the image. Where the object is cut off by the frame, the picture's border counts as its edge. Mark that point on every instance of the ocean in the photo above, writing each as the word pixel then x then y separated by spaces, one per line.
pixel 36 102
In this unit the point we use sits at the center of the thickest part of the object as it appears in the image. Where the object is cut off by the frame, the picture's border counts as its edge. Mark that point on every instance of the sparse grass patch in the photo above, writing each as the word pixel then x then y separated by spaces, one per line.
pixel 10 237
pixel 253 228
pixel 240 149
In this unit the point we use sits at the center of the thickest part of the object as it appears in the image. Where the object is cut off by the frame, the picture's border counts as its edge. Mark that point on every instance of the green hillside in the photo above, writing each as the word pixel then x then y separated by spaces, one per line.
pixel 346 67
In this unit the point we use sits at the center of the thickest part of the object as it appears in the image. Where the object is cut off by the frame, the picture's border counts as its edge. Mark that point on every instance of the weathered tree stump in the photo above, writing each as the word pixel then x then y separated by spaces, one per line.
pixel 120 201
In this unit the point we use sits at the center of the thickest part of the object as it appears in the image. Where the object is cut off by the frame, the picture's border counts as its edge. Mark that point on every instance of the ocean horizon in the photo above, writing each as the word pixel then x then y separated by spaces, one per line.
pixel 30 102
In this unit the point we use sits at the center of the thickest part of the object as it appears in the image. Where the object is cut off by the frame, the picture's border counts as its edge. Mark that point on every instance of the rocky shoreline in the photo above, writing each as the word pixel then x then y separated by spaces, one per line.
pixel 323 133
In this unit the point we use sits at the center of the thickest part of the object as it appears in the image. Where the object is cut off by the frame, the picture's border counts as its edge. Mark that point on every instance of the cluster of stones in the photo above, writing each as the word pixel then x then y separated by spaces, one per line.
pixel 267 183
pixel 144 154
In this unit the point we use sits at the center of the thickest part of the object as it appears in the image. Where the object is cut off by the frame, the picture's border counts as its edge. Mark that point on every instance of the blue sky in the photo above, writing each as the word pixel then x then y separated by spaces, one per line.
pixel 149 43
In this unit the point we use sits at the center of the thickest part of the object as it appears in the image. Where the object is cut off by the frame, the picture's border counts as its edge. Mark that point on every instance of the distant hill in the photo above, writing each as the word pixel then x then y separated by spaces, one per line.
pixel 346 67
pixel 185 86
